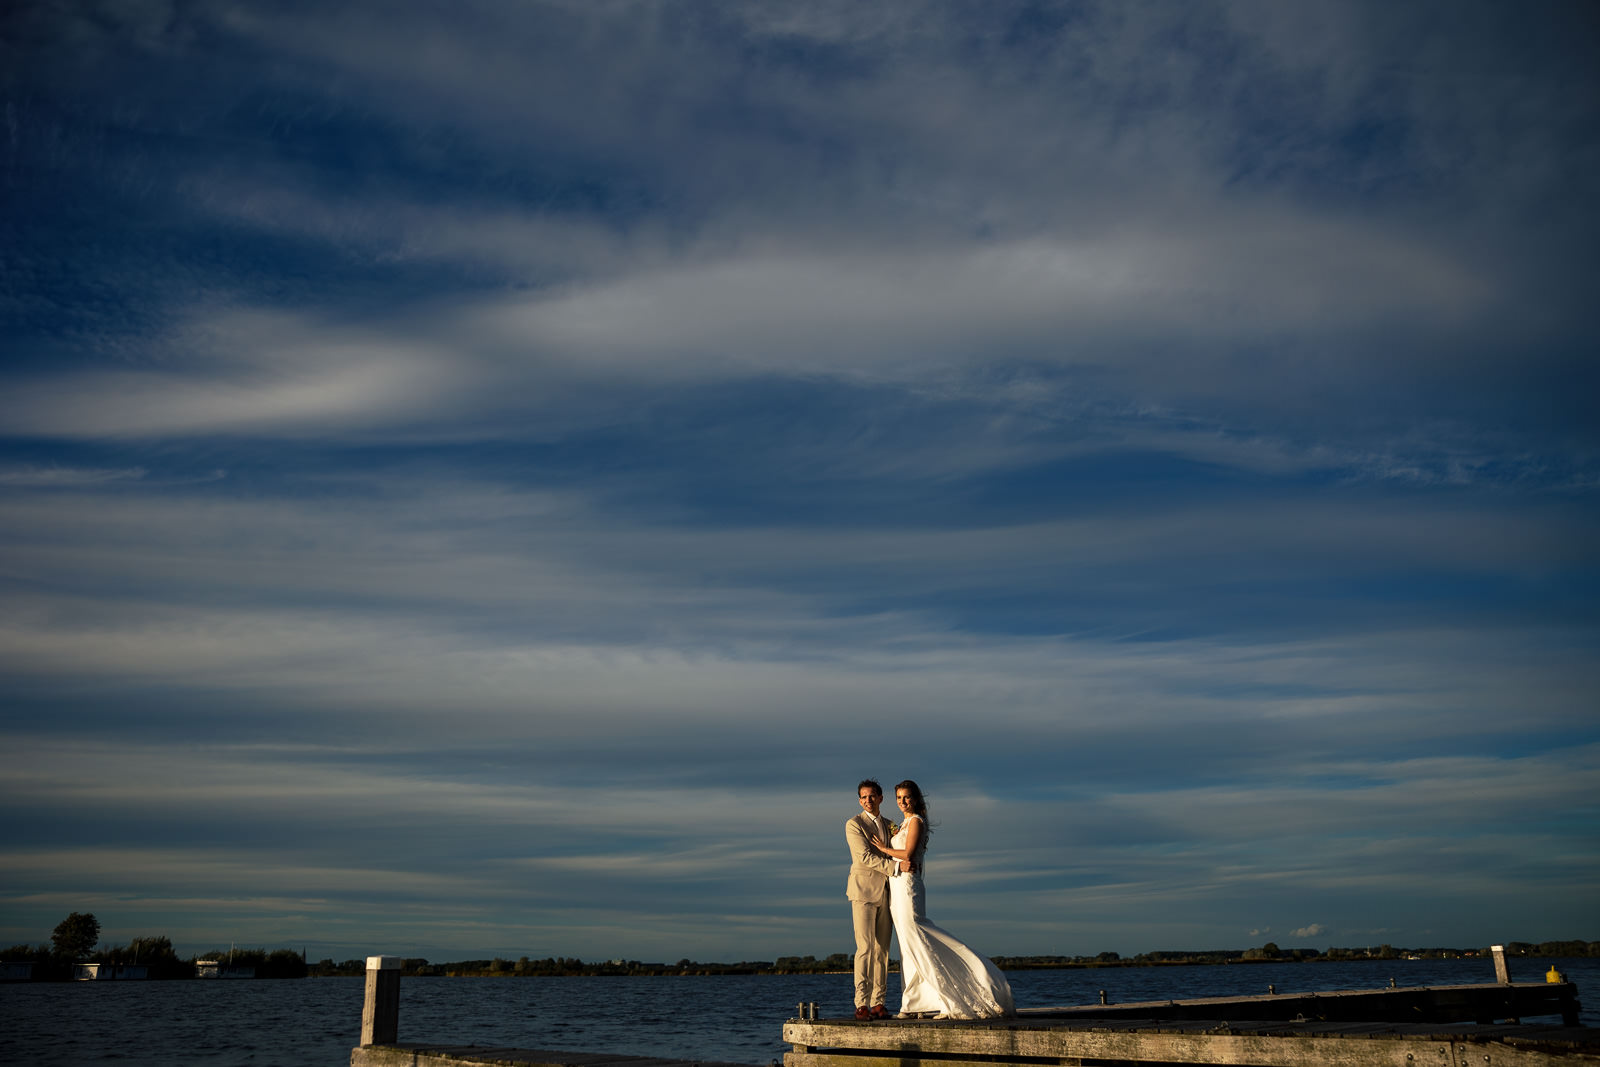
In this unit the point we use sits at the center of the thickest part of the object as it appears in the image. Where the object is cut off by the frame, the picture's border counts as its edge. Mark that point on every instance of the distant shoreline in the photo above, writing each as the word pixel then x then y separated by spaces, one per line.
pixel 30 963
pixel 841 963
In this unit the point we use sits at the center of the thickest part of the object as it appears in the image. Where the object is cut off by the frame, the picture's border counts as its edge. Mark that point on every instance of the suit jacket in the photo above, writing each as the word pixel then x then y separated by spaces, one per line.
pixel 870 871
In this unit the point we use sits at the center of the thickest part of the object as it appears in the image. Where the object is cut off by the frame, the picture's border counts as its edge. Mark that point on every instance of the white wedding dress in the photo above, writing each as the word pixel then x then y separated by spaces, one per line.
pixel 939 974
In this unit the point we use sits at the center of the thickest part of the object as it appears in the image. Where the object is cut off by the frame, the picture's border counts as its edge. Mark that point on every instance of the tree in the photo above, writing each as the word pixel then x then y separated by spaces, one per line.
pixel 152 950
pixel 76 935
pixel 1269 951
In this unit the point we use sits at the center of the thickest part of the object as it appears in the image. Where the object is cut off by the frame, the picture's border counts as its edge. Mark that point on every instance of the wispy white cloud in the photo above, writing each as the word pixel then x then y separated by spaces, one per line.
pixel 906 318
pixel 245 374
pixel 67 477
pixel 1063 300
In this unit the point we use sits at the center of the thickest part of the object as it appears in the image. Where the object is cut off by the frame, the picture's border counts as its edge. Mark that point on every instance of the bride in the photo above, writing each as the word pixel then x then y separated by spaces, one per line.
pixel 939 975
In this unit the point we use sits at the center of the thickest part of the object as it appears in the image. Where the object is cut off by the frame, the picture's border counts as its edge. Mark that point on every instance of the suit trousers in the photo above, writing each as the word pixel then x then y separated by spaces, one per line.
pixel 872 951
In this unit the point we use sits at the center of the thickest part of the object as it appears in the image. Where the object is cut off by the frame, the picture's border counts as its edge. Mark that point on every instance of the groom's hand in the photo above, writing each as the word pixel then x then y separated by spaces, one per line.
pixel 906 865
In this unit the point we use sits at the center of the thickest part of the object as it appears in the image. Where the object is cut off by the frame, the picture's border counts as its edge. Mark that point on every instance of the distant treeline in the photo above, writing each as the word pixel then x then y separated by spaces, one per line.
pixel 1270 953
pixel 156 955
pixel 561 966
pixel 76 939
pixel 564 967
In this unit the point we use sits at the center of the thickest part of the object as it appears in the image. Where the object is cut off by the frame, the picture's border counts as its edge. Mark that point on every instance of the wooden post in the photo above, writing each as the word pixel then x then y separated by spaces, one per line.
pixel 1501 975
pixel 380 1015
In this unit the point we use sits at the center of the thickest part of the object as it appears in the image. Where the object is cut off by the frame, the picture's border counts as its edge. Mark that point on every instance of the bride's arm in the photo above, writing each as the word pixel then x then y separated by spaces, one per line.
pixel 913 835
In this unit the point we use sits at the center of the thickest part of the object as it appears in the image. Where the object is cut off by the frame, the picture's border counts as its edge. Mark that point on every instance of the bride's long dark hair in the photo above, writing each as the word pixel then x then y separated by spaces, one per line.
pixel 918 804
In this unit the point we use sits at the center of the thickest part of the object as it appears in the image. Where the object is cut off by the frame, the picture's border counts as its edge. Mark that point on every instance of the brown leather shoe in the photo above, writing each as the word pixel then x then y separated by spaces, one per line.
pixel 862 1014
pixel 880 1012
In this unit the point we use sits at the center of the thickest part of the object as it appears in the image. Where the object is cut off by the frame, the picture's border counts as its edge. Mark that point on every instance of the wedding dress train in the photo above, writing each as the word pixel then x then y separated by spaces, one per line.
pixel 938 973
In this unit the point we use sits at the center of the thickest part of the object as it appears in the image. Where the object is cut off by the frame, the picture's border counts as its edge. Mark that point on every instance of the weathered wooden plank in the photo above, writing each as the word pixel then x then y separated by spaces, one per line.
pixel 1231 1049
pixel 957 1036
pixel 428 1055
pixel 837 1059
pixel 1457 1003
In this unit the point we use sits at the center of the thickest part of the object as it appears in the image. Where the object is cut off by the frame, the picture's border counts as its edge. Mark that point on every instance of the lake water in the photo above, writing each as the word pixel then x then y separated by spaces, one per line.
pixel 736 1019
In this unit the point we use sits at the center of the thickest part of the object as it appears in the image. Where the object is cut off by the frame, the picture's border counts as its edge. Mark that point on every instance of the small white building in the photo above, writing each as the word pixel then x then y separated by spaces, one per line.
pixel 104 972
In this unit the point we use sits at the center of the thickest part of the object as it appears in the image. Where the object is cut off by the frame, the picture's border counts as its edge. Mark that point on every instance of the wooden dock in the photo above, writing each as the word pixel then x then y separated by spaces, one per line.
pixel 1414 1027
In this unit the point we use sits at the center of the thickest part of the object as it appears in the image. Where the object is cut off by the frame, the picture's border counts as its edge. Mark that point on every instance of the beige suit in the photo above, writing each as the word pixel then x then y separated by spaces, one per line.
pixel 868 890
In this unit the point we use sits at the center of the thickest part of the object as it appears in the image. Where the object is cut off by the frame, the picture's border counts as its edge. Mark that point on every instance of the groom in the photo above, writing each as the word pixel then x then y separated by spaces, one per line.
pixel 868 890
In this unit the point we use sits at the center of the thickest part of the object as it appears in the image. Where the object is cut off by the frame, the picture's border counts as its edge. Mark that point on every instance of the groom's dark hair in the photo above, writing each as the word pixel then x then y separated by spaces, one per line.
pixel 865 783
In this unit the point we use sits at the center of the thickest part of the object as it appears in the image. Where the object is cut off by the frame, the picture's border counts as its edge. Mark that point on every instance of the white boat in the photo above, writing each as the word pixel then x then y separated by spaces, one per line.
pixel 218 969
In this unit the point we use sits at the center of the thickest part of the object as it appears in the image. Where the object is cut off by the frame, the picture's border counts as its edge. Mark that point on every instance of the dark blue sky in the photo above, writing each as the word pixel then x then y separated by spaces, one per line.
pixel 483 478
